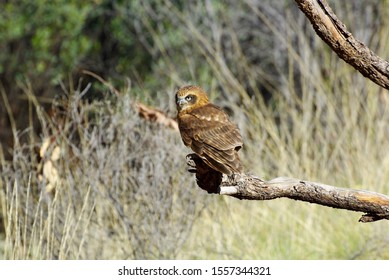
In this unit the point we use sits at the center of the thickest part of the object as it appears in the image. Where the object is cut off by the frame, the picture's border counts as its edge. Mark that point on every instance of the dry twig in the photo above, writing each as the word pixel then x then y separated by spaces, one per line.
pixel 145 112
pixel 154 115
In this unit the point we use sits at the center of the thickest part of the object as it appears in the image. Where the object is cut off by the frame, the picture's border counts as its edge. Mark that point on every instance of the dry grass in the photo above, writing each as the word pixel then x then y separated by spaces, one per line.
pixel 119 194
pixel 123 190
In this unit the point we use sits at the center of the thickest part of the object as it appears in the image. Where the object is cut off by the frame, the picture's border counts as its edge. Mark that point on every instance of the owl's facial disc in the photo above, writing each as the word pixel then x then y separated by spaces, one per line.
pixel 185 101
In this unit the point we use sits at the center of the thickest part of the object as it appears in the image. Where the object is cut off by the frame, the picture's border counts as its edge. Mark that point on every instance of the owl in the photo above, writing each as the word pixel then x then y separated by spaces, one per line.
pixel 207 130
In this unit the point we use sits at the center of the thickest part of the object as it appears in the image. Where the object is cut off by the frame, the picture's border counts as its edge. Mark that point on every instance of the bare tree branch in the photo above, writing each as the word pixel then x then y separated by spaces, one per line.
pixel 335 34
pixel 244 186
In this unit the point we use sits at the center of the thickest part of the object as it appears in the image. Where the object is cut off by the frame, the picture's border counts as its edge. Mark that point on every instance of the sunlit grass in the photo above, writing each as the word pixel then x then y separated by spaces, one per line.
pixel 123 190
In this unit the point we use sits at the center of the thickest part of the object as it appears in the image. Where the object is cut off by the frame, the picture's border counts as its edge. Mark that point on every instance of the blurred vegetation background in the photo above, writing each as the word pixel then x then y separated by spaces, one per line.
pixel 84 177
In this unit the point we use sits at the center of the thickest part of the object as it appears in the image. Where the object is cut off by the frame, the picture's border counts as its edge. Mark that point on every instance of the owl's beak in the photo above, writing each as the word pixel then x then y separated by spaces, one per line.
pixel 181 102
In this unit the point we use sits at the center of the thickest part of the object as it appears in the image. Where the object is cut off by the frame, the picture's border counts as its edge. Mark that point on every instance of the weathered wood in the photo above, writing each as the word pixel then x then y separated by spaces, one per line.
pixel 332 31
pixel 244 186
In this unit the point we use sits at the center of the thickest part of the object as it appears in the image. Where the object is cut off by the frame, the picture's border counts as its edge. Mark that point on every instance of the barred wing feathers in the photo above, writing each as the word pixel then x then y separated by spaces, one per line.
pixel 209 133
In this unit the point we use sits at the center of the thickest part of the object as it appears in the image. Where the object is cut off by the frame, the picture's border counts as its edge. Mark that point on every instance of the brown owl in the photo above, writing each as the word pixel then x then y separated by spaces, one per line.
pixel 207 130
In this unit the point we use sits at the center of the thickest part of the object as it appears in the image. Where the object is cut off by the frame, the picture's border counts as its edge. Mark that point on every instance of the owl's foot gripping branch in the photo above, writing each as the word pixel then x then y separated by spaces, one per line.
pixel 245 186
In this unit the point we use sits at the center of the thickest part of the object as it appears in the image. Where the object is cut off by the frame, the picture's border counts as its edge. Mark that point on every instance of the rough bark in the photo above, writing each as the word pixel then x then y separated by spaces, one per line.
pixel 244 186
pixel 332 31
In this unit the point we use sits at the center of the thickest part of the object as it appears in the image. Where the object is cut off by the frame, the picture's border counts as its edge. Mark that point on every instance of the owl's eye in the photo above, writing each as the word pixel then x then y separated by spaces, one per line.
pixel 189 98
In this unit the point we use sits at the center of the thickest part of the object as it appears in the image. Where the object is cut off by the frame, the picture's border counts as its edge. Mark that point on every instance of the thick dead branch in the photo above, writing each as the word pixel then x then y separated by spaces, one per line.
pixel 335 34
pixel 243 186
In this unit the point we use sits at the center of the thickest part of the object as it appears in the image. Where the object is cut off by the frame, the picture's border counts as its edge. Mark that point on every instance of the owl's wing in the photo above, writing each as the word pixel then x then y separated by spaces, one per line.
pixel 210 134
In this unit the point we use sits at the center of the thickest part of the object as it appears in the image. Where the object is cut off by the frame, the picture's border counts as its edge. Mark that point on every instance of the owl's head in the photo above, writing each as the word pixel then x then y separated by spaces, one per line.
pixel 190 97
